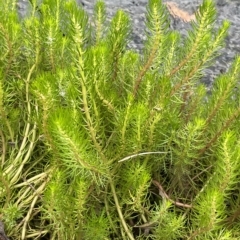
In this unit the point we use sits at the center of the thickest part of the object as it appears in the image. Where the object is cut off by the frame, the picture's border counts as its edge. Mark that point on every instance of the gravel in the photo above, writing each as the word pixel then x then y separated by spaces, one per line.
pixel 227 9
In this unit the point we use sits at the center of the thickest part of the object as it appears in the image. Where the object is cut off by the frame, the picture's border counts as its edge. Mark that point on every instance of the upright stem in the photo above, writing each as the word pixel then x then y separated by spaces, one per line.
pixel 120 212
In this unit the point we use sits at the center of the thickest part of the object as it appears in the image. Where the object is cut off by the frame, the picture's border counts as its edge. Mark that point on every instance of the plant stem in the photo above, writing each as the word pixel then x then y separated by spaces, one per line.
pixel 120 212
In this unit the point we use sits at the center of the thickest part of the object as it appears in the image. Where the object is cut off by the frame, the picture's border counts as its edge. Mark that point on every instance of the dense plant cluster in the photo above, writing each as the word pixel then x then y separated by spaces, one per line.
pixel 100 142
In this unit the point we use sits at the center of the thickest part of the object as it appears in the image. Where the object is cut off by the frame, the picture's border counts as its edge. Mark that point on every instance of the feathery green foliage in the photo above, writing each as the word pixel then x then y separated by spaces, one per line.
pixel 100 142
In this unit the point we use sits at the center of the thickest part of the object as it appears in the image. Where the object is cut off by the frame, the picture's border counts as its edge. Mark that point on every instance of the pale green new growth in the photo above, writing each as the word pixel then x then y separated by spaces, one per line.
pixel 100 142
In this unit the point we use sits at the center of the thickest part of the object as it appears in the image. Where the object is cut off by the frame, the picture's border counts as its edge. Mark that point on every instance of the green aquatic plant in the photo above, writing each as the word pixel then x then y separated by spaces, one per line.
pixel 98 141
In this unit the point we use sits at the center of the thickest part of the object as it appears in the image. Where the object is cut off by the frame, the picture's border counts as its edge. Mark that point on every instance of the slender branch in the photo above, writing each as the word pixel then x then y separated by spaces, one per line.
pixel 218 133
pixel 164 195
pixel 27 128
pixel 83 81
pixel 139 154
pixel 120 211
pixel 3 148
pixel 144 70
pixel 27 218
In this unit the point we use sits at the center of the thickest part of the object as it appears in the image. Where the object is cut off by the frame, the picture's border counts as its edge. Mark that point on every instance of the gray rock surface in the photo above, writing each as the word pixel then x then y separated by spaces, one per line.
pixel 227 9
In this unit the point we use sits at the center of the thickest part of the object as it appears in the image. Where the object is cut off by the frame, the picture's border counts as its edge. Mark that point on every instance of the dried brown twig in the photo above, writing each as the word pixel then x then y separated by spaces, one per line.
pixel 164 195
pixel 147 226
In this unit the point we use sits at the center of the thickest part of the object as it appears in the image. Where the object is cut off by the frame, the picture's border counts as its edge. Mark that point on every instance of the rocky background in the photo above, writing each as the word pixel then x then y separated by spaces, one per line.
pixel 227 9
